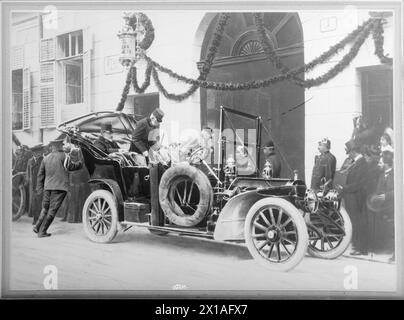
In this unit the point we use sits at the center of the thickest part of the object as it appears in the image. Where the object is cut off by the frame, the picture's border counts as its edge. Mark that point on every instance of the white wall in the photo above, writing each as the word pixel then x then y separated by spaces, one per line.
pixel 331 107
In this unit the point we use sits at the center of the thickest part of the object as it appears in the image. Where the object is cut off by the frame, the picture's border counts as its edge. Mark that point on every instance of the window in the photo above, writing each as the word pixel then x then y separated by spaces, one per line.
pixel 70 55
pixel 74 82
pixel 17 98
pixel 70 44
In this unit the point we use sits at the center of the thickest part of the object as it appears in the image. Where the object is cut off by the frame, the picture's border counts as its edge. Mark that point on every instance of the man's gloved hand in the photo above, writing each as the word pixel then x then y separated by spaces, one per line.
pixel 146 153
pixel 74 154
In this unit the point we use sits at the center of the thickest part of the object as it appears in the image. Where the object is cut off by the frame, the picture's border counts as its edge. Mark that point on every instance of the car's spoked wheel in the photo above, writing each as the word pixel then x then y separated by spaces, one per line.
pixel 18 196
pixel 100 216
pixel 330 233
pixel 185 193
pixel 276 234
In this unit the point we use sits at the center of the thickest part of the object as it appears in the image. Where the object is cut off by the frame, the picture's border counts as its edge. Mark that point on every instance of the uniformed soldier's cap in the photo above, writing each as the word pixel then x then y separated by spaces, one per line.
pixel 159 114
pixel 269 144
pixel 325 142
pixel 106 127
pixel 56 141
pixel 37 147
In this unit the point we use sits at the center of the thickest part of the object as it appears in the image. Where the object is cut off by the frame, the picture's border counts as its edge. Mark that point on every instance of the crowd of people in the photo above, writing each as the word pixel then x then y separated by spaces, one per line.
pixel 365 182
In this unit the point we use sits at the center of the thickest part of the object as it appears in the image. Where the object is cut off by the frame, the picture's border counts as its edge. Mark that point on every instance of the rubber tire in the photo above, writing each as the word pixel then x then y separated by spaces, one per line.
pixel 338 251
pixel 23 201
pixel 112 232
pixel 205 191
pixel 302 234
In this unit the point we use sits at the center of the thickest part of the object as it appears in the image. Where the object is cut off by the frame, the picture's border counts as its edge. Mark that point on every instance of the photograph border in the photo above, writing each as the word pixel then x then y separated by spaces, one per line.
pixel 6 137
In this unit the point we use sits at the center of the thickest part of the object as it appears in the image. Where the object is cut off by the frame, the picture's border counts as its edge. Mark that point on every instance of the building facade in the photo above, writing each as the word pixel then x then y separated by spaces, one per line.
pixel 65 64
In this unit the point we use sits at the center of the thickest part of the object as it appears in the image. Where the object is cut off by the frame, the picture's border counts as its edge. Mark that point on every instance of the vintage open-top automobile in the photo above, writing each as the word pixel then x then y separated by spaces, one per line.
pixel 278 219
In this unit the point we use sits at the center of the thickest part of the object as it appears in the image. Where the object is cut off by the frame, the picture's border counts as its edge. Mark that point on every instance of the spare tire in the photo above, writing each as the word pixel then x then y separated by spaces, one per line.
pixel 185 195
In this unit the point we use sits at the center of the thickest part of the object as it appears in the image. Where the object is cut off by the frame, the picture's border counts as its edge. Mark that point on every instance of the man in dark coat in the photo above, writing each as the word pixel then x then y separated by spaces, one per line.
pixel 324 167
pixel 382 201
pixel 105 141
pixel 353 194
pixel 35 198
pixel 272 157
pixel 23 154
pixel 142 138
pixel 53 181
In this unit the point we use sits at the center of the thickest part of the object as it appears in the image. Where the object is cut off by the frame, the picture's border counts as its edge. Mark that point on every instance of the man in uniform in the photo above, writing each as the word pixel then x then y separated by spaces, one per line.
pixel 105 142
pixel 142 136
pixel 35 198
pixel 53 181
pixel 324 167
pixel 272 158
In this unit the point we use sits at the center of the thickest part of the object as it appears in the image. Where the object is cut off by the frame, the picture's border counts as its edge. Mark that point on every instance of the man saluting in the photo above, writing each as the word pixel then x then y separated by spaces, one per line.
pixel 53 181
pixel 324 167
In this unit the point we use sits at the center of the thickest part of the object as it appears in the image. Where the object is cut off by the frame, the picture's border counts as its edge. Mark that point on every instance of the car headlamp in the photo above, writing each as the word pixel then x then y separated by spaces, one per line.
pixel 311 201
pixel 332 197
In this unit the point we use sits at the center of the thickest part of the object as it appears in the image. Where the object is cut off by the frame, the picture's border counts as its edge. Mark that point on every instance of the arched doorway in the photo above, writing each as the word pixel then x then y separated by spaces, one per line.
pixel 240 58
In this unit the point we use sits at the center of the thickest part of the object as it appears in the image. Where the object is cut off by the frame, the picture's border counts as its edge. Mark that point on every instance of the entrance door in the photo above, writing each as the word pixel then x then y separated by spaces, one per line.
pixel 240 58
pixel 377 96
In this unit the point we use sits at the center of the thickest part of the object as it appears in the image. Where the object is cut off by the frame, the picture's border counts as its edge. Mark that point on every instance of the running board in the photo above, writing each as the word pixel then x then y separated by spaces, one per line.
pixel 179 230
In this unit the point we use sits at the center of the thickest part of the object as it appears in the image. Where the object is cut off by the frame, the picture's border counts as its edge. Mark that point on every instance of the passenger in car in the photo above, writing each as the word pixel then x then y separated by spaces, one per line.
pixel 245 164
pixel 105 141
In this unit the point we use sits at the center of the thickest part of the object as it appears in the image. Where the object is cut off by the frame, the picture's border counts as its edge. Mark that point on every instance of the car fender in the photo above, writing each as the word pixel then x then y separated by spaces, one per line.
pixel 230 224
pixel 113 186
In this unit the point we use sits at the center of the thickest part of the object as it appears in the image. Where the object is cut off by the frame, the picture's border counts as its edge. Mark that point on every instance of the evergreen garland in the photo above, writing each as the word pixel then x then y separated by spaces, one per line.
pixel 356 37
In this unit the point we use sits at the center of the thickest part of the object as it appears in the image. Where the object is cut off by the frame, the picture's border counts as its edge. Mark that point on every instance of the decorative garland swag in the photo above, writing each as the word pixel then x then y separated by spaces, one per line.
pixel 357 37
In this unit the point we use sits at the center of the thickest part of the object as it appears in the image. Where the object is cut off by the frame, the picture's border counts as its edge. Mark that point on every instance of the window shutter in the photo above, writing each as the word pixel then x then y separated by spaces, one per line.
pixel 87 51
pixel 26 99
pixel 47 97
pixel 87 79
pixel 17 57
pixel 47 49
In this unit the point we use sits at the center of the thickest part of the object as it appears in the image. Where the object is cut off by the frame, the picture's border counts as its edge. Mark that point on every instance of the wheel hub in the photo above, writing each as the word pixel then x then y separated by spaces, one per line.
pixel 98 216
pixel 273 234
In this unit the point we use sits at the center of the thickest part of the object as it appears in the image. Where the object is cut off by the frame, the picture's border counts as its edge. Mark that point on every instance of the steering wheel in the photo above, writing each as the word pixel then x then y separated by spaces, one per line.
pixel 198 155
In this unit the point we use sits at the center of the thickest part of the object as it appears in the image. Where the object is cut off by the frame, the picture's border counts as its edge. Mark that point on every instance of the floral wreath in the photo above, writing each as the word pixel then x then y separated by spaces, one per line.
pixel 147 25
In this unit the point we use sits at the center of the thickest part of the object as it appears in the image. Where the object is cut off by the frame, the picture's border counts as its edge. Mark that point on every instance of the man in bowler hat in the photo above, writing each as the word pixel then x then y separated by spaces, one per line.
pixel 53 182
pixel 354 195
pixel 324 167
pixel 35 198
pixel 145 129
pixel 105 141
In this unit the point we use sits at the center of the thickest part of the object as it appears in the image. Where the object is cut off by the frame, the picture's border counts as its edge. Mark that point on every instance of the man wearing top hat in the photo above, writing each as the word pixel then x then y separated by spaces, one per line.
pixel 144 135
pixel 105 141
pixel 324 167
pixel 354 196
pixel 53 181
pixel 33 165
pixel 272 157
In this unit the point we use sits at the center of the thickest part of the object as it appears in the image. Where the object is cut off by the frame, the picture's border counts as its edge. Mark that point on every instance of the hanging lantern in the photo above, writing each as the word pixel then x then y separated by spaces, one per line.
pixel 128 48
